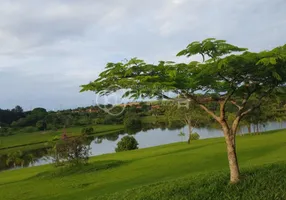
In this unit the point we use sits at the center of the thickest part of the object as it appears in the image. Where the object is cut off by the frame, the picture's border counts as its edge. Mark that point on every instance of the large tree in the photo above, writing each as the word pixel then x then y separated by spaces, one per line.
pixel 228 76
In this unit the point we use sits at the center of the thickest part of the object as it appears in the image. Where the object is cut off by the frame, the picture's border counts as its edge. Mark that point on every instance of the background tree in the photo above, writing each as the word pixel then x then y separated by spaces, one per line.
pixel 41 125
pixel 18 109
pixel 132 120
pixel 223 77
pixel 188 113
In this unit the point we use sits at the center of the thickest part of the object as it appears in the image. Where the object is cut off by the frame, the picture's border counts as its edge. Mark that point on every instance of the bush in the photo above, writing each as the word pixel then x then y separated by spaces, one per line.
pixel 87 131
pixel 127 143
pixel 29 129
pixel 193 136
pixel 4 131
pixel 70 151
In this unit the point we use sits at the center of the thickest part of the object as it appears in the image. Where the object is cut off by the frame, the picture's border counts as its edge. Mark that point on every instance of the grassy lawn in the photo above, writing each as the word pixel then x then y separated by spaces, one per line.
pixel 21 139
pixel 151 119
pixel 175 171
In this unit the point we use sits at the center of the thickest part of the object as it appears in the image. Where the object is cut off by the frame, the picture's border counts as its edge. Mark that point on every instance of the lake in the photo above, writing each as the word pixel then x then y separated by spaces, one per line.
pixel 148 137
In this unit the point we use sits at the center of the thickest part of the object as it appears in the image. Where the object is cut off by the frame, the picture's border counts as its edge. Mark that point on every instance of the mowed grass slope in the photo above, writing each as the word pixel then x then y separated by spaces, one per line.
pixel 174 171
pixel 21 139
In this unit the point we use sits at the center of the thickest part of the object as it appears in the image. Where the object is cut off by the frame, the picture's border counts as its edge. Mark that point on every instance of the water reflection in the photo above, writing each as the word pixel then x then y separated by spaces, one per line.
pixel 152 134
pixel 19 159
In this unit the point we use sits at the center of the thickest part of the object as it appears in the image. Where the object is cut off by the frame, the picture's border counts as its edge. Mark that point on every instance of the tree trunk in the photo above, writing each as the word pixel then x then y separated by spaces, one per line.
pixel 231 155
pixel 190 132
pixel 249 128
pixel 257 129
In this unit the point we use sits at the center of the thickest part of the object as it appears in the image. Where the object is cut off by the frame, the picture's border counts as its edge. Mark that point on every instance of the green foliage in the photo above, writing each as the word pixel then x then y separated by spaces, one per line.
pixel 15 158
pixel 131 120
pixel 181 134
pixel 225 78
pixel 237 75
pixel 70 151
pixel 193 136
pixel 52 127
pixel 9 116
pixel 87 131
pixel 5 131
pixel 210 47
pixel 127 143
pixel 41 125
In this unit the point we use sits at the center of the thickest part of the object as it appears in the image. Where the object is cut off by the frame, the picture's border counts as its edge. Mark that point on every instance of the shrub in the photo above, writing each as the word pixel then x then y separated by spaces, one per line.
pixel 4 131
pixel 127 143
pixel 87 131
pixel 71 151
pixel 193 136
pixel 29 129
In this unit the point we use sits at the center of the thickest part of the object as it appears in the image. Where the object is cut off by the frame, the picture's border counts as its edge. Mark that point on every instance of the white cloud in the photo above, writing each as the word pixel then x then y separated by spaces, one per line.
pixel 49 48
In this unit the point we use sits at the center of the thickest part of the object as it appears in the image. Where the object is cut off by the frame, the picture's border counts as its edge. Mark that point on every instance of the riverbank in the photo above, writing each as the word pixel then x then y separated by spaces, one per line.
pixel 174 171
pixel 35 139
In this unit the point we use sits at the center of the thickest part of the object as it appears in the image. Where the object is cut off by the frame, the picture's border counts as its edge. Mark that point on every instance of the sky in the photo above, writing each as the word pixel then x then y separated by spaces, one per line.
pixel 49 48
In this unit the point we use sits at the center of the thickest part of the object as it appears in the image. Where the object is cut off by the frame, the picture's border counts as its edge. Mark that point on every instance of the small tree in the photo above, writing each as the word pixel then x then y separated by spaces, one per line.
pixel 223 77
pixel 127 143
pixel 188 114
pixel 71 151
pixel 193 136
pixel 182 135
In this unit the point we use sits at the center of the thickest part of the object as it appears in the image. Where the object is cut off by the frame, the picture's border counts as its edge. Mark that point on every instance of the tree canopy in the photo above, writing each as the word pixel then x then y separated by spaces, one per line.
pixel 228 75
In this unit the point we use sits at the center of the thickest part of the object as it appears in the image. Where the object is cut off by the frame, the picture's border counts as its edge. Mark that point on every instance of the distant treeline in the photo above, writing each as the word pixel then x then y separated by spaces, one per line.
pixel 39 119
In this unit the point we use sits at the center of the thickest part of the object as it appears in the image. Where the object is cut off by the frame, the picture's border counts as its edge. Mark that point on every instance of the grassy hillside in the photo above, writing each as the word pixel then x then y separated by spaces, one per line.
pixel 174 171
pixel 22 139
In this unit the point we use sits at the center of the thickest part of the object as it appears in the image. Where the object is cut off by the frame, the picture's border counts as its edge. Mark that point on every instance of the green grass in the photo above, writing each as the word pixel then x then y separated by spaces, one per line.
pixel 151 119
pixel 260 183
pixel 174 171
pixel 22 139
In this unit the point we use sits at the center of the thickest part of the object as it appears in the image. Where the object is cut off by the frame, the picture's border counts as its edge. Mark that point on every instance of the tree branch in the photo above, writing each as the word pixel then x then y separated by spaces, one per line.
pixel 222 105
pixel 236 104
pixel 192 97
pixel 210 112
pixel 257 105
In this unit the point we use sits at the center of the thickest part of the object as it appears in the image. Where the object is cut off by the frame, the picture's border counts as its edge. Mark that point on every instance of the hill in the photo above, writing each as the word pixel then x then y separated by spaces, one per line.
pixel 175 171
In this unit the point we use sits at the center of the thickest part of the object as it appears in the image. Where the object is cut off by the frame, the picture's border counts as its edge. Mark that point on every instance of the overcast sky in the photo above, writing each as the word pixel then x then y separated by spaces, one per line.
pixel 49 48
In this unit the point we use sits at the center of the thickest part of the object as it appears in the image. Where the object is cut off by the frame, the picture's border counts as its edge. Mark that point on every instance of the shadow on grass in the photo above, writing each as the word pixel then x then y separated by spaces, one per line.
pixel 189 149
pixel 80 169
pixel 258 183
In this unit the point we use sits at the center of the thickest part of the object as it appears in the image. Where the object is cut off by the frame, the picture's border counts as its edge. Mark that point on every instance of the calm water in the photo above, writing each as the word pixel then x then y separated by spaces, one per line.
pixel 147 138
